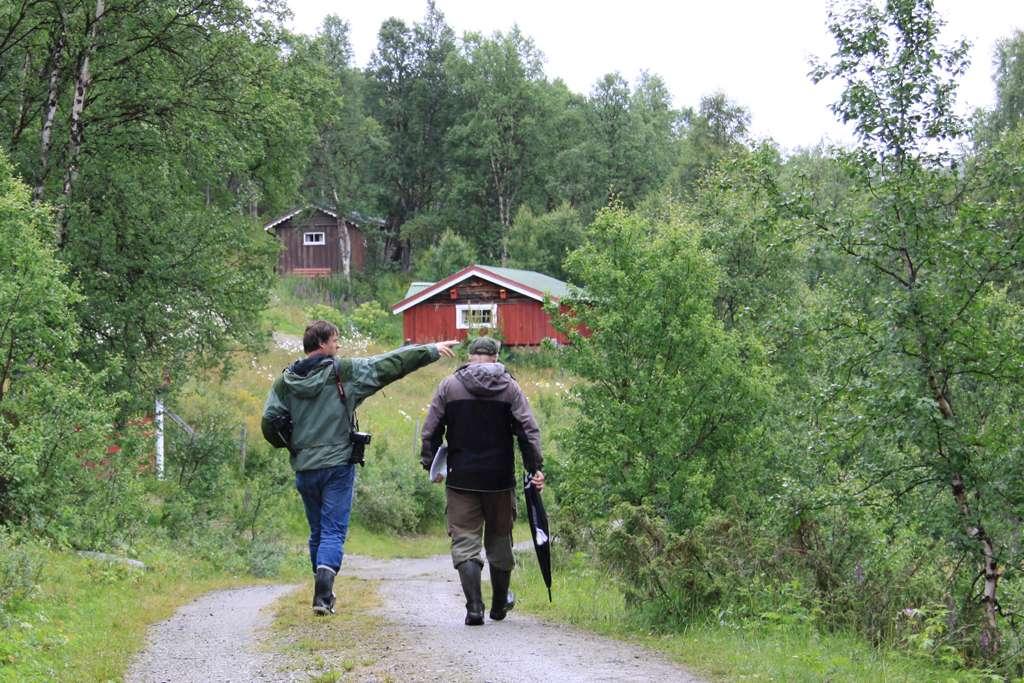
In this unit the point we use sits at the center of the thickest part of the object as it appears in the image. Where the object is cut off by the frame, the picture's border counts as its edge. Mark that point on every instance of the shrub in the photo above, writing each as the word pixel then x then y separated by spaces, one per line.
pixel 328 313
pixel 371 319
pixel 200 481
pixel 20 568
pixel 394 495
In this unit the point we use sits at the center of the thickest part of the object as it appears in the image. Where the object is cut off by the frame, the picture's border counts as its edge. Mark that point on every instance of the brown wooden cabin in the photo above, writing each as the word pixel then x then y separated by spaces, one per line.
pixel 312 241
pixel 488 297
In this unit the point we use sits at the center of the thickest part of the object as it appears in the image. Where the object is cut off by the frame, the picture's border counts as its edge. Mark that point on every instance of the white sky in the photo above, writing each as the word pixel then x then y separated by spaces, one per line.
pixel 756 51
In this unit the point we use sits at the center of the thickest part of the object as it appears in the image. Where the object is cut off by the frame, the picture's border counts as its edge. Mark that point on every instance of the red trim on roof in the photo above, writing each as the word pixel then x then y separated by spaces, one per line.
pixel 467 272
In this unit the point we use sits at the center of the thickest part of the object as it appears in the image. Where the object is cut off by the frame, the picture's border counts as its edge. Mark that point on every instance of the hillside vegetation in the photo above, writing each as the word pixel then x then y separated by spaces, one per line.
pixel 798 400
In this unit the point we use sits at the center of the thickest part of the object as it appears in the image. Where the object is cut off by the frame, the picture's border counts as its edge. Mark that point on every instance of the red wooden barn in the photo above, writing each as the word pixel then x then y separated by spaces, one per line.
pixel 505 299
pixel 312 238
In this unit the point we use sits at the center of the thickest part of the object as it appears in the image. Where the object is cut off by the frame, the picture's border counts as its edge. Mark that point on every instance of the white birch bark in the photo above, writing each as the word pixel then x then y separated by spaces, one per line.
pixel 46 139
pixel 82 82
pixel 344 242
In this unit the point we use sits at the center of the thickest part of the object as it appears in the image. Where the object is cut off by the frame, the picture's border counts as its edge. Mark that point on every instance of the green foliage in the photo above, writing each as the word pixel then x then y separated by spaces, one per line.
pixel 717 130
pixel 667 392
pixel 450 254
pixel 393 493
pixel 409 94
pixel 200 483
pixel 541 243
pixel 370 318
pixel 266 480
pixel 20 570
pixel 328 313
pixel 185 126
pixel 920 330
pixel 54 422
pixel 1009 81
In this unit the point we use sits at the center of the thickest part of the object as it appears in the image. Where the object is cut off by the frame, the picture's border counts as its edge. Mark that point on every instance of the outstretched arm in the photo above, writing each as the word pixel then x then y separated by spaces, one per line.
pixel 366 376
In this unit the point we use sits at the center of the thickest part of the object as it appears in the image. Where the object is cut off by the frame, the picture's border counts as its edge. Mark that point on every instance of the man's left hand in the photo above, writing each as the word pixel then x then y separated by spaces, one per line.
pixel 538 481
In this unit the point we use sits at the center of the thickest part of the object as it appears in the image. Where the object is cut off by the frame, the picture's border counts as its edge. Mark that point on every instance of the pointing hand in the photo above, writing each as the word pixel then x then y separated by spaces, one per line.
pixel 445 347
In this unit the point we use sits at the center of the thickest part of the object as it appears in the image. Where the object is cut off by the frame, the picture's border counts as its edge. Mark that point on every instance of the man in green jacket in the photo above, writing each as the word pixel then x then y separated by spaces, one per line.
pixel 320 393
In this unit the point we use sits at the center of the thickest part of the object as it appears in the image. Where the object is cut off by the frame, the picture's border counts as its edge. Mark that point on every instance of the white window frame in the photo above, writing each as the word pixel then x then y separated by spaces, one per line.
pixel 462 309
pixel 309 239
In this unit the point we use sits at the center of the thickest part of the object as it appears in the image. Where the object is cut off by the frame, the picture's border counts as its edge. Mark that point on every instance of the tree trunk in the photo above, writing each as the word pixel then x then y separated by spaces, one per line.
pixel 46 139
pixel 975 530
pixel 345 244
pixel 77 126
pixel 504 206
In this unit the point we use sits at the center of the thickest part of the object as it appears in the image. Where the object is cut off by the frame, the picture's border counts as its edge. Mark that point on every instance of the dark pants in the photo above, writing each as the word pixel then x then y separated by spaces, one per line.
pixel 476 514
pixel 327 496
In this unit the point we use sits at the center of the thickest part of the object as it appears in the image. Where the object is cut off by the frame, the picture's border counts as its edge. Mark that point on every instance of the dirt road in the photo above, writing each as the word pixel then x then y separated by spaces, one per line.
pixel 216 638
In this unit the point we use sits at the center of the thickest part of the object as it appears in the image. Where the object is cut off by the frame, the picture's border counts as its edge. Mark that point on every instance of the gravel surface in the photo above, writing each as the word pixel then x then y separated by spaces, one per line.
pixel 216 637
pixel 212 639
pixel 424 602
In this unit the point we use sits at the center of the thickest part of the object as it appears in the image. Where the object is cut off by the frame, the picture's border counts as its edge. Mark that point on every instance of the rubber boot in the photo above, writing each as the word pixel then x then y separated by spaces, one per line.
pixel 469 575
pixel 323 591
pixel 502 599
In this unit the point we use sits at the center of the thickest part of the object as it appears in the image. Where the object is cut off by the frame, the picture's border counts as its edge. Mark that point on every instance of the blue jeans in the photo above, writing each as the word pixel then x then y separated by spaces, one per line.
pixel 327 497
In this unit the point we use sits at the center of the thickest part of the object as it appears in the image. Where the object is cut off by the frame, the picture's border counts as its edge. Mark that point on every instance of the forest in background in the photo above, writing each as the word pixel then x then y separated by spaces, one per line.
pixel 801 398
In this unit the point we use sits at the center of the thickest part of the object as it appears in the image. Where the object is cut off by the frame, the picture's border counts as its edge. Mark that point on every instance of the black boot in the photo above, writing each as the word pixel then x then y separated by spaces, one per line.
pixel 469 575
pixel 323 591
pixel 502 599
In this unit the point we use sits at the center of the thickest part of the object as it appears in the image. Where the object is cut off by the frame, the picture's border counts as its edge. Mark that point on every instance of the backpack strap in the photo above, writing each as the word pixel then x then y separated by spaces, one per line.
pixel 353 421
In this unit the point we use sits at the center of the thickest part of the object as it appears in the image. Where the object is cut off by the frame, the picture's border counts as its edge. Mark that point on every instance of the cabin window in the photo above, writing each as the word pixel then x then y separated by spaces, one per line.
pixel 469 316
pixel 313 239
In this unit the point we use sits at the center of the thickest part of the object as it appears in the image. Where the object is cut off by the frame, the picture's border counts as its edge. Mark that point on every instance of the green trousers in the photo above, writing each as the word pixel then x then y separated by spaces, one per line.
pixel 477 518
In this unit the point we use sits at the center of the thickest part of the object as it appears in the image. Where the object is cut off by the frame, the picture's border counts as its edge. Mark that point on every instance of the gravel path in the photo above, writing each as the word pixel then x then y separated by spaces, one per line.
pixel 212 639
pixel 424 600
pixel 215 638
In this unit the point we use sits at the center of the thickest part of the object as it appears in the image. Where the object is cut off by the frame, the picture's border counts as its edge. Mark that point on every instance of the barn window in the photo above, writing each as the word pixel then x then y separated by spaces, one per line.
pixel 468 316
pixel 313 238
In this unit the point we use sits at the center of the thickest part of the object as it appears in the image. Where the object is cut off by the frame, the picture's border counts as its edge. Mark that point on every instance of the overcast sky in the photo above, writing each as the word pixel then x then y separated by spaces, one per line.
pixel 756 51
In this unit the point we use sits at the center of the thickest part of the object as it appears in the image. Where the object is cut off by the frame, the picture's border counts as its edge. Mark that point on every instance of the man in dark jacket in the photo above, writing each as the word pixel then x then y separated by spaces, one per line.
pixel 321 393
pixel 480 408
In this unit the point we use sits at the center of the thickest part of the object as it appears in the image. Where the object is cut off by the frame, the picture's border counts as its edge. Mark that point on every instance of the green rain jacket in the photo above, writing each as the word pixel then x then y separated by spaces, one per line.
pixel 307 390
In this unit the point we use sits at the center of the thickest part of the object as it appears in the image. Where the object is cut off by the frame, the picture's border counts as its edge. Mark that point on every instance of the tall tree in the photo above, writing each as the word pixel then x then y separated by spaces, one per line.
pixel 926 339
pixel 1009 79
pixel 157 131
pixel 409 94
pixel 717 129
pixel 497 136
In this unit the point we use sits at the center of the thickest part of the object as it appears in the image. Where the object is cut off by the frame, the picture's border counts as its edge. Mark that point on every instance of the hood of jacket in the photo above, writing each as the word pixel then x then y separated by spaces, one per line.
pixel 307 376
pixel 483 379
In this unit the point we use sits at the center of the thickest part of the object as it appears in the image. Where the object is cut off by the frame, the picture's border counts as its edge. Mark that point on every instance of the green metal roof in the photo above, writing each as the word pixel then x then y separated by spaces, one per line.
pixel 415 288
pixel 539 281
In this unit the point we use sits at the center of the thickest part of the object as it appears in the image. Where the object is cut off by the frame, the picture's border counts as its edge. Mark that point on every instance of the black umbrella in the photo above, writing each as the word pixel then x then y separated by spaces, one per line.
pixel 539 530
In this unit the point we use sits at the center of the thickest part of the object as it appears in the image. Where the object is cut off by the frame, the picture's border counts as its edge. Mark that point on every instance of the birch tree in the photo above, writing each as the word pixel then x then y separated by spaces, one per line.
pixel 925 332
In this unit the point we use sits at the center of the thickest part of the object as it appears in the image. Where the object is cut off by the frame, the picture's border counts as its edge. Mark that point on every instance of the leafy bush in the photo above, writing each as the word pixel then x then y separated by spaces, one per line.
pixel 393 494
pixel 371 319
pixel 265 485
pixel 20 568
pixel 328 313
pixel 668 393
pixel 200 484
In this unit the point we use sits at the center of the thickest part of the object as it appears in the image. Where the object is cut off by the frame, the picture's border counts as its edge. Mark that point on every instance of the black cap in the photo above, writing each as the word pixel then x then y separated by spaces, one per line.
pixel 484 346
